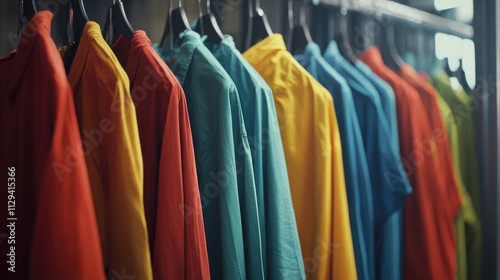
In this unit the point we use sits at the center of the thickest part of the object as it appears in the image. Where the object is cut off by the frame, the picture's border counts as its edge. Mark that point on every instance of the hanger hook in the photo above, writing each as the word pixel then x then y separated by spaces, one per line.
pixel 208 6
pixel 20 23
pixel 200 12
pixel 303 13
pixel 250 9
pixel 257 4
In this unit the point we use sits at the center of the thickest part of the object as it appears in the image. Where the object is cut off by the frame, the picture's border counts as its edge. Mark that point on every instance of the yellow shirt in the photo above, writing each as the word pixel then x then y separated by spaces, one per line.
pixel 110 138
pixel 313 155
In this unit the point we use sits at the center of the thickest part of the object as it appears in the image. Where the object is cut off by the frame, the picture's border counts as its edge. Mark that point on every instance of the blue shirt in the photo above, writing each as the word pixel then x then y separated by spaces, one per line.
pixel 280 240
pixel 353 152
pixel 223 160
pixel 389 181
pixel 389 238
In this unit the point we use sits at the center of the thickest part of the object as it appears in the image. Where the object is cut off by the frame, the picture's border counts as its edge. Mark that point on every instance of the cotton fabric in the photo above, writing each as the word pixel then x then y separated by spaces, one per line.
pixel 313 154
pixel 107 119
pixel 223 160
pixel 389 236
pixel 282 255
pixel 356 171
pixel 56 234
pixel 426 218
pixel 171 196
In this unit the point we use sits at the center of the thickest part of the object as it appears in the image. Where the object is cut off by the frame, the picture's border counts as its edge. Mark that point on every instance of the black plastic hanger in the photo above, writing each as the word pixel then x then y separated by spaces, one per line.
pixel 117 23
pixel 27 9
pixel 77 18
pixel 299 35
pixel 258 26
pixel 394 57
pixel 459 74
pixel 447 68
pixel 177 22
pixel 342 38
pixel 463 78
pixel 207 25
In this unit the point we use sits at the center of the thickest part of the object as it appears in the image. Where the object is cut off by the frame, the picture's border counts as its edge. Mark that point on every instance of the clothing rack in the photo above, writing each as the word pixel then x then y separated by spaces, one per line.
pixel 404 13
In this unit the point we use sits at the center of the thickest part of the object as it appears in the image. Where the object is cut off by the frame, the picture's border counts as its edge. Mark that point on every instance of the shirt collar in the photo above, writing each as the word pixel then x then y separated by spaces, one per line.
pixel 91 33
pixel 333 50
pixel 407 71
pixel 38 25
pixel 270 44
pixel 334 57
pixel 179 58
pixel 372 55
pixel 129 52
pixel 311 51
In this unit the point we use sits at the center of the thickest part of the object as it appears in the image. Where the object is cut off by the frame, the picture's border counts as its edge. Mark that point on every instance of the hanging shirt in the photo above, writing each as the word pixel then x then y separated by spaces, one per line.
pixel 462 106
pixel 313 154
pixel 171 196
pixel 450 189
pixel 389 236
pixel 108 124
pixel 426 217
pixel 223 160
pixel 467 215
pixel 49 222
pixel 389 182
pixel 354 156
pixel 280 241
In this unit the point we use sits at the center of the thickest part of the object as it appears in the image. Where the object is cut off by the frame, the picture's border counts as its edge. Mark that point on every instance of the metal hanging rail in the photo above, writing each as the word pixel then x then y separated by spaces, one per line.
pixel 405 13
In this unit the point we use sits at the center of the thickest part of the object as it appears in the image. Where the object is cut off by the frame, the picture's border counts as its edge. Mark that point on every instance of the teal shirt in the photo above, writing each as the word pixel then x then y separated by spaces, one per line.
pixel 389 239
pixel 389 181
pixel 353 152
pixel 280 240
pixel 223 160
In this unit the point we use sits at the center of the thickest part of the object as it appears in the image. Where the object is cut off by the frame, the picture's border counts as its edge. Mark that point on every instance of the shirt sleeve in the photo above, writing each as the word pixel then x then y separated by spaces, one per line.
pixel 389 181
pixel 123 164
pixel 343 263
pixel 246 187
pixel 180 248
pixel 284 255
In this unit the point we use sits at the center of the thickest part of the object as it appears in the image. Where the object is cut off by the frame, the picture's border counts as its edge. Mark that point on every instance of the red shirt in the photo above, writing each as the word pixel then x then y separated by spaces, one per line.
pixel 449 187
pixel 171 196
pixel 428 214
pixel 56 233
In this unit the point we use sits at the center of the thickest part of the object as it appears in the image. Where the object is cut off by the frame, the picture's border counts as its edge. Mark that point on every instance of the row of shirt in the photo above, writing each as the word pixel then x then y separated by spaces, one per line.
pixel 199 162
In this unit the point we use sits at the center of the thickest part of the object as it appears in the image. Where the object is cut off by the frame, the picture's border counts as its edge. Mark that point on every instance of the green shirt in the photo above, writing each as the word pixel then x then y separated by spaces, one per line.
pixel 456 109
pixel 223 160
pixel 280 240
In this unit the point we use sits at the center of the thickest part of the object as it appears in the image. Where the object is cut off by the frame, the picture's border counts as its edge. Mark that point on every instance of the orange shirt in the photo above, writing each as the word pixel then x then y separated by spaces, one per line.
pixel 55 232
pixel 428 214
pixel 449 186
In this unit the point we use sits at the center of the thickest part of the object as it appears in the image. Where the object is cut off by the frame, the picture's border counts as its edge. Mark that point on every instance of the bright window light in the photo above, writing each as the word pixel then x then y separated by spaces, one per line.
pixel 455 48
pixel 447 4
